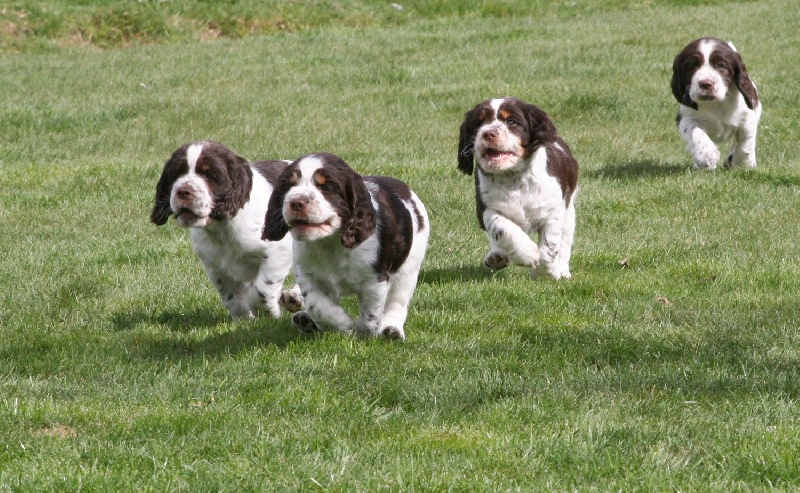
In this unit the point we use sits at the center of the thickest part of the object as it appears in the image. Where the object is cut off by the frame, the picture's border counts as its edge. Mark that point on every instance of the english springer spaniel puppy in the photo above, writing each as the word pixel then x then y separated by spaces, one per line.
pixel 352 235
pixel 526 181
pixel 718 103
pixel 222 199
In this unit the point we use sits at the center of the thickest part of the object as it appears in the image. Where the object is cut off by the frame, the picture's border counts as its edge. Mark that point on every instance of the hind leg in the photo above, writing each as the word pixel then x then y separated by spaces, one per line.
pixel 567 237
pixel 555 244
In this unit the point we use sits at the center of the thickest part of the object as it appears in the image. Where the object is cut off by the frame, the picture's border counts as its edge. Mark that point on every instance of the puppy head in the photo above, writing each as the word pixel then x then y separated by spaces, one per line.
pixel 501 135
pixel 201 181
pixel 706 69
pixel 316 196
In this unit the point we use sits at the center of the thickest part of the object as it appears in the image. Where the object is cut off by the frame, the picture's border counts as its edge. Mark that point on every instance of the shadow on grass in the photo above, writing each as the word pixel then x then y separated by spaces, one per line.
pixel 202 331
pixel 176 321
pixel 711 363
pixel 636 170
pixel 458 274
pixel 769 178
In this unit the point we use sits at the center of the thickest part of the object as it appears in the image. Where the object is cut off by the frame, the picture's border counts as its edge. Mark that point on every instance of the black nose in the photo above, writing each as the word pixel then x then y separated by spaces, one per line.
pixel 184 193
pixel 297 204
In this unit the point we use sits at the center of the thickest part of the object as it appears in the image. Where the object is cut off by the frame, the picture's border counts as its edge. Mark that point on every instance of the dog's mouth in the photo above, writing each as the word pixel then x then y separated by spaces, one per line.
pixel 493 159
pixel 304 229
pixel 497 154
pixel 188 219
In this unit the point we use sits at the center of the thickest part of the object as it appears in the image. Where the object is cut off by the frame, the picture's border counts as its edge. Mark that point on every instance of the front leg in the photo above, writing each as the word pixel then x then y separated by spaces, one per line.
pixel 508 243
pixel 705 154
pixel 744 148
pixel 325 311
pixel 550 243
pixel 232 294
pixel 371 304
pixel 264 294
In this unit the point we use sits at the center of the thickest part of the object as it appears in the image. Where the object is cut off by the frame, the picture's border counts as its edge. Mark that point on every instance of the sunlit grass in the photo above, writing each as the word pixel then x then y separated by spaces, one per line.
pixel 669 362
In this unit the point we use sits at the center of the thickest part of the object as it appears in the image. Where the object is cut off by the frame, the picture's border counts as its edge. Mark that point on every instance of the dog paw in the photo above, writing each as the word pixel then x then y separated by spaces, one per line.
pixel 393 333
pixel 496 260
pixel 551 270
pixel 706 158
pixel 303 323
pixel 741 159
pixel 291 300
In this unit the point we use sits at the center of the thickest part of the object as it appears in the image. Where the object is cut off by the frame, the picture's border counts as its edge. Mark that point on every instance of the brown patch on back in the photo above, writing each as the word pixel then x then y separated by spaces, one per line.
pixel 563 167
pixel 271 170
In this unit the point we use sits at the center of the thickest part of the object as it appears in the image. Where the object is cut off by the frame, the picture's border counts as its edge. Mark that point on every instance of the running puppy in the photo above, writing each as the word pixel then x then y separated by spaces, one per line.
pixel 718 103
pixel 222 199
pixel 352 235
pixel 526 181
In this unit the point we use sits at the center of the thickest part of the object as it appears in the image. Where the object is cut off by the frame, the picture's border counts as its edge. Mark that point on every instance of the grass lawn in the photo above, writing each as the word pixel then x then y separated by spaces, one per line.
pixel 669 362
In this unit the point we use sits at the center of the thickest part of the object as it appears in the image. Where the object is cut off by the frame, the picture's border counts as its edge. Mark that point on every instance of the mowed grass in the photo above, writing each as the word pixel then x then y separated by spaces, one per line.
pixel 671 360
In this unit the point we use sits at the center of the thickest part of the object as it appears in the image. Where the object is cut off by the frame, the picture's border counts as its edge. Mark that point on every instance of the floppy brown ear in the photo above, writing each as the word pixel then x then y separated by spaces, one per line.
pixel 680 83
pixel 275 227
pixel 541 127
pixel 161 208
pixel 237 193
pixel 744 83
pixel 466 141
pixel 362 216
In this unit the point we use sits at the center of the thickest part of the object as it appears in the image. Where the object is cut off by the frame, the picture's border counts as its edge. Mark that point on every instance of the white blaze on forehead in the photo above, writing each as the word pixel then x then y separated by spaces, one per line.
pixel 307 168
pixel 195 208
pixel 192 155
pixel 495 104
pixel 706 47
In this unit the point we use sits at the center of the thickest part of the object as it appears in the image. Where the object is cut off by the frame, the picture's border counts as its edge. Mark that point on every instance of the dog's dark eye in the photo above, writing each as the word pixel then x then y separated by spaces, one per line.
pixel 511 123
pixel 720 66
pixel 327 186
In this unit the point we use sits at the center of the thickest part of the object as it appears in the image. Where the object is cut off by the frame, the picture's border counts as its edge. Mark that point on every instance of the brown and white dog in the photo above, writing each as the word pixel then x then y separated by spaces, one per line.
pixel 352 235
pixel 526 181
pixel 718 103
pixel 222 199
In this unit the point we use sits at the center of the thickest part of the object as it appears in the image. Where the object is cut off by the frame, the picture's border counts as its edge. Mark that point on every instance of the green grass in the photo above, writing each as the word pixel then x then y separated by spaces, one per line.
pixel 671 360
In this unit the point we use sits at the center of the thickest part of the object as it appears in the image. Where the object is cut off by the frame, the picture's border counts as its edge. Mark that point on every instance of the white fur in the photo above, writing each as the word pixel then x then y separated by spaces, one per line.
pixel 247 272
pixel 521 203
pixel 721 119
pixel 522 198
pixel 327 271
pixel 202 202
pixel 319 212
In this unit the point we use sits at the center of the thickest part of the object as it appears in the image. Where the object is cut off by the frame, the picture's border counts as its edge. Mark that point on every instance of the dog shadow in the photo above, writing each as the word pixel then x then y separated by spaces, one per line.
pixel 175 321
pixel 637 170
pixel 773 179
pixel 459 274
pixel 179 336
